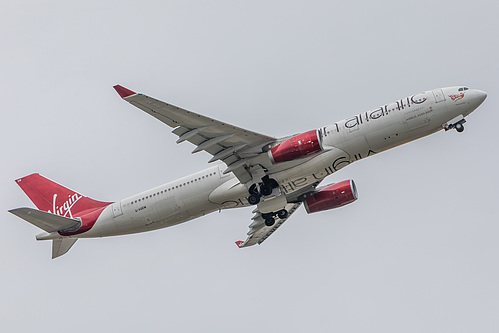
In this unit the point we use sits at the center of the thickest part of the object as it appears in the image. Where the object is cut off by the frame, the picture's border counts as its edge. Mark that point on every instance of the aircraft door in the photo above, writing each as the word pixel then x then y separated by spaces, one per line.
pixel 117 211
pixel 439 95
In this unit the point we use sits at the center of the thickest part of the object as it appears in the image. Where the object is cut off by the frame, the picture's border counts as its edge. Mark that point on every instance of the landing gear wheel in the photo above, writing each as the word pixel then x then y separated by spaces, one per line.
pixel 253 199
pixel 253 189
pixel 267 215
pixel 459 127
pixel 273 183
pixel 265 190
pixel 282 214
pixel 269 221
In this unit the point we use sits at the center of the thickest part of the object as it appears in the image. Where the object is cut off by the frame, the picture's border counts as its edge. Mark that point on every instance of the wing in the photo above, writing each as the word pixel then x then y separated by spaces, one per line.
pixel 259 232
pixel 228 143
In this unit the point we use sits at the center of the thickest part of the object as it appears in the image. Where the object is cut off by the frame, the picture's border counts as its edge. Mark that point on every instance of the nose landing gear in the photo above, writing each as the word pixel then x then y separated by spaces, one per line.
pixel 457 123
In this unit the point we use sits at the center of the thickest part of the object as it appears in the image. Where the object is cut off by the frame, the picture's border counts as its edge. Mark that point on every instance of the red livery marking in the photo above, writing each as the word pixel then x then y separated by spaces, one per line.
pixel 124 92
pixel 56 199
pixel 456 97
pixel 298 146
pixel 332 196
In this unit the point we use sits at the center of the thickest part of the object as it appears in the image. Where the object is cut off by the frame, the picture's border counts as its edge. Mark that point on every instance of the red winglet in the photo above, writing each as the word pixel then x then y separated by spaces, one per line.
pixel 239 243
pixel 124 92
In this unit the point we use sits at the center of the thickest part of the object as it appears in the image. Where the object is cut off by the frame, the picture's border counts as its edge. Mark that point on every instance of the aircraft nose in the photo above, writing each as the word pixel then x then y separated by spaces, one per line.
pixel 480 96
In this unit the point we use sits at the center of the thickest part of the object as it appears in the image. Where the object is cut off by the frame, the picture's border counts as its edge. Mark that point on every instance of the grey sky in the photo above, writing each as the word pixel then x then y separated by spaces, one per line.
pixel 418 250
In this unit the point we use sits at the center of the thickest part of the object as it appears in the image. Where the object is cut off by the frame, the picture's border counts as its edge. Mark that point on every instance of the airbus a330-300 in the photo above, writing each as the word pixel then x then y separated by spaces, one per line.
pixel 274 175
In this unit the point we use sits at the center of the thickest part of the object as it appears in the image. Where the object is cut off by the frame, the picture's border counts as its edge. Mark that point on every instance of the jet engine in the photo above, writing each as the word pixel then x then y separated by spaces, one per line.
pixel 332 196
pixel 298 146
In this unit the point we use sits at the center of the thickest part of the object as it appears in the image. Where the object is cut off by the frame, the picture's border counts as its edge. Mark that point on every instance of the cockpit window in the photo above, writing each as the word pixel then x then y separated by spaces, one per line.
pixel 460 89
pixel 463 89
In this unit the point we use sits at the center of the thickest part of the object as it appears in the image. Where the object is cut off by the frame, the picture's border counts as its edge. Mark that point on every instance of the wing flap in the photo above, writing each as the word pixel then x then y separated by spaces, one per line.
pixel 46 221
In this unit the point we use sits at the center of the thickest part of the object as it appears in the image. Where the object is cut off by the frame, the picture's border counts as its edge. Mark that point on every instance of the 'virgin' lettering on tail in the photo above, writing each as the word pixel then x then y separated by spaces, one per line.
pixel 65 208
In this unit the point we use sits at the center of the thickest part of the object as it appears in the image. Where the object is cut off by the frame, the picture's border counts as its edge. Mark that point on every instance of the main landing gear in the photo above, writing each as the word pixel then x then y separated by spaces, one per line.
pixel 270 217
pixel 263 189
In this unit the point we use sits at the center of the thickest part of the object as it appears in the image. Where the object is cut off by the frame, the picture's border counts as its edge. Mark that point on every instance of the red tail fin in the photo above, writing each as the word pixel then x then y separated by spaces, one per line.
pixel 57 199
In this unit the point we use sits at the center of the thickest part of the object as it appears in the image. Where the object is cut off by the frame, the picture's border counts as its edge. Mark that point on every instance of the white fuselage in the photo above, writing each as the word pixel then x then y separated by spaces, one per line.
pixel 344 142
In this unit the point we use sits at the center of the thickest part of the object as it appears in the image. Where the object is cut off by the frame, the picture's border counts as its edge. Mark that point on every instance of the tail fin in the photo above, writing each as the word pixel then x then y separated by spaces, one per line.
pixel 62 212
pixel 57 199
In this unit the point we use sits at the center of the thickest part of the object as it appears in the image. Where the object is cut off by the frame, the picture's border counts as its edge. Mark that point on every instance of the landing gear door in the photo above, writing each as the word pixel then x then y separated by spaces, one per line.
pixel 439 95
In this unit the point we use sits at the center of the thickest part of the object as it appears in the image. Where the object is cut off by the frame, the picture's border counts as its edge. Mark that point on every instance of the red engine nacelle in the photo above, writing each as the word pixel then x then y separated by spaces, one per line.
pixel 332 196
pixel 299 146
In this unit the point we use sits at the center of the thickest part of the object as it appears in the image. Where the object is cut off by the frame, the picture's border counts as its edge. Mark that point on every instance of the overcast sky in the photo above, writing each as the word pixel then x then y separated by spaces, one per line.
pixel 416 253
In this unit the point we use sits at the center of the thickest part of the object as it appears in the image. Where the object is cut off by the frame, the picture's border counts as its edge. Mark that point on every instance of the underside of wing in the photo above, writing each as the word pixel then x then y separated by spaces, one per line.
pixel 225 142
pixel 259 232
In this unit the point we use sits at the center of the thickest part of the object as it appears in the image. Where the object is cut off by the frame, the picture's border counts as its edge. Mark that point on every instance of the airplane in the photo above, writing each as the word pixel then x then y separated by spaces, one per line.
pixel 273 175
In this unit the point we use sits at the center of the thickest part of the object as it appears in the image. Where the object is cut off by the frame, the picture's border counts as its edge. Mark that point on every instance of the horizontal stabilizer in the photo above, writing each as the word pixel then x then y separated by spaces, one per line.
pixel 46 221
pixel 62 245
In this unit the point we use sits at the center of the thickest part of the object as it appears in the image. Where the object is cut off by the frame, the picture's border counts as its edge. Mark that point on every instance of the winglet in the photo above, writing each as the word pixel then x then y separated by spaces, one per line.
pixel 239 243
pixel 124 92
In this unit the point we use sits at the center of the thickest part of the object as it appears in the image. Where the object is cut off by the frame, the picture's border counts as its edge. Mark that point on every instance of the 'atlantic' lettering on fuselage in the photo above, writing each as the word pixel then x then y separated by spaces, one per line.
pixel 378 113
